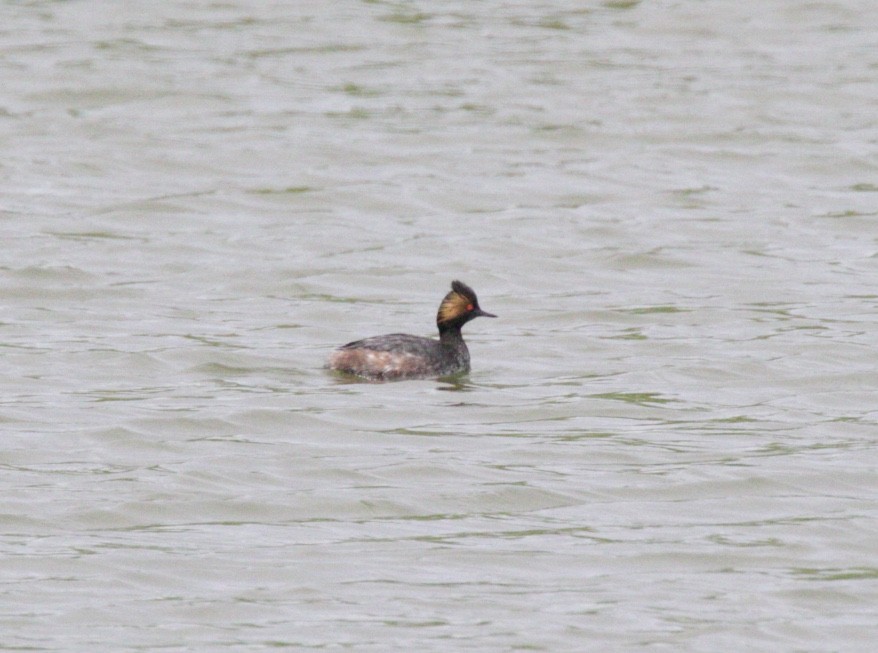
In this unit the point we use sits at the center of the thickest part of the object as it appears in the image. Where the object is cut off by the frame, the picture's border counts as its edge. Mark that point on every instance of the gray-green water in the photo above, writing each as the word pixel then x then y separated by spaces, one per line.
pixel 668 440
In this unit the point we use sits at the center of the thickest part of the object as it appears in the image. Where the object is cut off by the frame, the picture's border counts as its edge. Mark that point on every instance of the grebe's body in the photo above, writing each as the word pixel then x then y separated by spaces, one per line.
pixel 401 356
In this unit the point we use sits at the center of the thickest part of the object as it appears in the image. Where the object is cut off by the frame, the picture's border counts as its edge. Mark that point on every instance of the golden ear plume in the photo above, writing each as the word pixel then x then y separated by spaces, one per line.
pixel 453 306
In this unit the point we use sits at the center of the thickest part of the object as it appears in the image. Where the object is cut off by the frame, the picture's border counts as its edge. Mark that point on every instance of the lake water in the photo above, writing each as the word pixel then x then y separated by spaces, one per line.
pixel 668 439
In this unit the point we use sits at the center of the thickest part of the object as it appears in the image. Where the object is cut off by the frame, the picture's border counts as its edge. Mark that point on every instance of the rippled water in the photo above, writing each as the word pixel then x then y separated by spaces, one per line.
pixel 668 437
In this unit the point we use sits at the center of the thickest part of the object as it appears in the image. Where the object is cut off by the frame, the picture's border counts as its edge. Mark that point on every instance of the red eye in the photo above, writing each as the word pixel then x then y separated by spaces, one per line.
pixel 469 307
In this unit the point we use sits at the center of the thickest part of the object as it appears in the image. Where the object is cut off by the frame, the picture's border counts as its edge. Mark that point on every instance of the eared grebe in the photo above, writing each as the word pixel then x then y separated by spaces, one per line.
pixel 401 356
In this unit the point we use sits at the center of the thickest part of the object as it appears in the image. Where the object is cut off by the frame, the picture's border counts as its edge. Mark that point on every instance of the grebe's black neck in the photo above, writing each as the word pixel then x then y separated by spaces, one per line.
pixel 450 334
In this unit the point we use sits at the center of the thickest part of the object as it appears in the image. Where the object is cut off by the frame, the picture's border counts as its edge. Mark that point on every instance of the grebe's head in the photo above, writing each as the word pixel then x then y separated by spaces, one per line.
pixel 459 307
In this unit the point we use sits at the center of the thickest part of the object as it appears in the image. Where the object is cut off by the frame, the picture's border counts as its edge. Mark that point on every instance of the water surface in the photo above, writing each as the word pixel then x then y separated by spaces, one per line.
pixel 667 439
